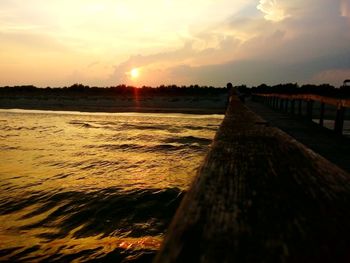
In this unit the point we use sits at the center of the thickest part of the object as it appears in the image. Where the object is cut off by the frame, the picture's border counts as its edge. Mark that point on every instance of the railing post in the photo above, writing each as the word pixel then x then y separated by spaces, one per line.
pixel 275 102
pixel 339 120
pixel 299 107
pixel 322 114
pixel 286 105
pixel 309 109
pixel 292 106
pixel 281 104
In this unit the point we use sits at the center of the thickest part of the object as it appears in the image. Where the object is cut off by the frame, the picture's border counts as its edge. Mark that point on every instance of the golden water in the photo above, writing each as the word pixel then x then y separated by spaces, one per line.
pixel 94 187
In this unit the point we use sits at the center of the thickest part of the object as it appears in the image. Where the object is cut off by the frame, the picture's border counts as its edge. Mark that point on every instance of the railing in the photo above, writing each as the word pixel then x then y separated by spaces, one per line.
pixel 260 196
pixel 282 101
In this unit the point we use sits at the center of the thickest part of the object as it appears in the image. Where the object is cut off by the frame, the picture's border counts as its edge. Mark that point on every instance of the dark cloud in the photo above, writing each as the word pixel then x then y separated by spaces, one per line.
pixel 254 72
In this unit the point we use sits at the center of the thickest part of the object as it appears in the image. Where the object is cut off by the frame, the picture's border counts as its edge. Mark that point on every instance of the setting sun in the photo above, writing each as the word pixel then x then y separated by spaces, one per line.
pixel 134 73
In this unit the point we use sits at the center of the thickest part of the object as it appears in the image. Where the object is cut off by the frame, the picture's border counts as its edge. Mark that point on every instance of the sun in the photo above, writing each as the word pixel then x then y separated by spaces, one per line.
pixel 134 73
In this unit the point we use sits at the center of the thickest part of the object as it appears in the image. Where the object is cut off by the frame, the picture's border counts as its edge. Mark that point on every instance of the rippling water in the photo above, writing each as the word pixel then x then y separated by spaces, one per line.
pixel 94 187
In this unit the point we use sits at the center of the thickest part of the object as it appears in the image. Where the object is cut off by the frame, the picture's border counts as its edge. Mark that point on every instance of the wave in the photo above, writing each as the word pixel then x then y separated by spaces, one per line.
pixel 104 213
pixel 10 128
pixel 170 145
pixel 189 140
pixel 82 124
pixel 126 126
pixel 9 148
pixel 152 126
pixel 94 188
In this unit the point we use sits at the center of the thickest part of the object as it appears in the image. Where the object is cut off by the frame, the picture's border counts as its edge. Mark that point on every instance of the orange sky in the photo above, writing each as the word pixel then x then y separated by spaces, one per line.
pixel 207 42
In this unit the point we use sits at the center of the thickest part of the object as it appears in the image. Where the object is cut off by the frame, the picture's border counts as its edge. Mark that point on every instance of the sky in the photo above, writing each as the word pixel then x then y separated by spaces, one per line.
pixel 206 42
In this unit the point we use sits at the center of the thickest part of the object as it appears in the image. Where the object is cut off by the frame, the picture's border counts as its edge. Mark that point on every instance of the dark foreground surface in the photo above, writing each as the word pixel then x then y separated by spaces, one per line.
pixel 261 196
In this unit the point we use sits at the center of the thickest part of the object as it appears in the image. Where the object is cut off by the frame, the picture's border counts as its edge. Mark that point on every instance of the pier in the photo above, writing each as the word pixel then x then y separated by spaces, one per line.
pixel 321 140
pixel 293 104
pixel 261 196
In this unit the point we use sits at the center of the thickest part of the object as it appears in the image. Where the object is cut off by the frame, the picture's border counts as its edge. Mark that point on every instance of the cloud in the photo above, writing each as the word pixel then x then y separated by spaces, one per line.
pixel 345 8
pixel 334 76
pixel 93 64
pixel 196 51
pixel 273 10
pixel 252 50
pixel 328 69
pixel 31 41
pixel 250 41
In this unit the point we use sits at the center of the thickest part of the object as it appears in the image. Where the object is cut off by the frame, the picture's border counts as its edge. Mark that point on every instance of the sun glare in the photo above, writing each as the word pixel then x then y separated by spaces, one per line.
pixel 134 73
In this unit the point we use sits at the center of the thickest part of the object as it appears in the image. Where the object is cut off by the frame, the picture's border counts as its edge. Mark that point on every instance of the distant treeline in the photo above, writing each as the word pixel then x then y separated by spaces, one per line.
pixel 120 90
pixel 293 88
pixel 174 90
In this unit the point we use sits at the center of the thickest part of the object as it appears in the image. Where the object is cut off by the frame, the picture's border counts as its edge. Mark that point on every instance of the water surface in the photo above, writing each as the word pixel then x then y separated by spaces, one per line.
pixel 94 187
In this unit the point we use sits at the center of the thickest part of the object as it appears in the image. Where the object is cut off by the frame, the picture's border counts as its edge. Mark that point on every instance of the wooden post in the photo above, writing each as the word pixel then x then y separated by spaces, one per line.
pixel 281 104
pixel 275 102
pixel 339 120
pixel 321 114
pixel 299 107
pixel 286 105
pixel 309 109
pixel 292 109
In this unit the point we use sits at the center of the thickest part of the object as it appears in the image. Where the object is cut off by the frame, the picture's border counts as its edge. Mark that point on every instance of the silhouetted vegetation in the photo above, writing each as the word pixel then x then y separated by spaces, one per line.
pixel 174 90
pixel 120 90
pixel 294 88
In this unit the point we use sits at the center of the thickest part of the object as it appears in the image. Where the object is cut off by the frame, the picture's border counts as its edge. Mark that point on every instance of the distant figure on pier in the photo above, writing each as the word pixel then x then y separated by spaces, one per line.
pixel 234 91
pixel 229 92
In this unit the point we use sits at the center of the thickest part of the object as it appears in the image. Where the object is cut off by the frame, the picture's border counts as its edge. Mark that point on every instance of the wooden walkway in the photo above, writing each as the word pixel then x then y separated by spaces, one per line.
pixel 287 102
pixel 325 142
pixel 261 196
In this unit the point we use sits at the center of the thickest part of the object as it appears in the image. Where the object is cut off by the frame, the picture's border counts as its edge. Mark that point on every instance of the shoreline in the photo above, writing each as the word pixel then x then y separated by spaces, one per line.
pixel 198 111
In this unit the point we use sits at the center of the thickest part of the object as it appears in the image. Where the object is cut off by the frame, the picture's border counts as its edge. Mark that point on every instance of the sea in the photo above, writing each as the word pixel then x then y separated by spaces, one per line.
pixel 94 187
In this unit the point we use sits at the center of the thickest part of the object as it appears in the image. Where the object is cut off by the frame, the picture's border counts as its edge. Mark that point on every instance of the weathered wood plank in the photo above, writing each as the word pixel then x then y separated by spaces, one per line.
pixel 261 196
